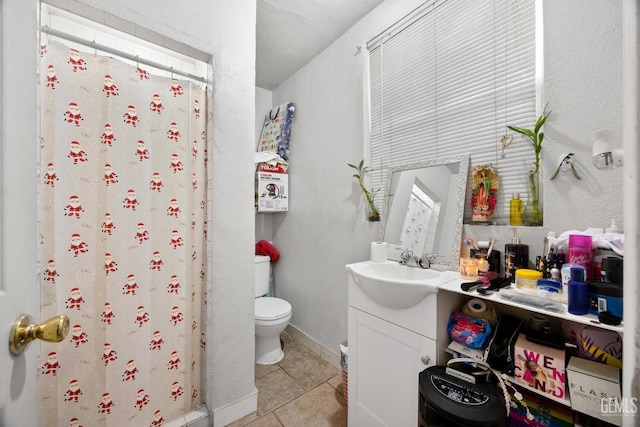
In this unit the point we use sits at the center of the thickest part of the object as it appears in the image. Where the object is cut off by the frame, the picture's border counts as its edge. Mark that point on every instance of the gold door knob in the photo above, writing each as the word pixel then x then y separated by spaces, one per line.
pixel 24 331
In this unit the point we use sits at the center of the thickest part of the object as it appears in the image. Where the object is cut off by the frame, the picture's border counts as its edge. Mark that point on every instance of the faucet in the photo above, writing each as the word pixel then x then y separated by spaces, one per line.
pixel 422 261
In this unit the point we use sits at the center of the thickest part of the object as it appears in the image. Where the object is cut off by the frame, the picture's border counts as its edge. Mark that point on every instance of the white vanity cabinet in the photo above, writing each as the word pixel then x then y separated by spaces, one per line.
pixel 388 348
pixel 384 362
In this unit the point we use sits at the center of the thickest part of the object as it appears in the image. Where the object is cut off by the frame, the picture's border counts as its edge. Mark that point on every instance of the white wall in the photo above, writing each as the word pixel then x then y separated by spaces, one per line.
pixel 227 31
pixel 325 228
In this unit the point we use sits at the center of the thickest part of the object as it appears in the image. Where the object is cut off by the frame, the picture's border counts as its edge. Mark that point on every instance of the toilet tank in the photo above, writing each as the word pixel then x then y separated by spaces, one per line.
pixel 262 264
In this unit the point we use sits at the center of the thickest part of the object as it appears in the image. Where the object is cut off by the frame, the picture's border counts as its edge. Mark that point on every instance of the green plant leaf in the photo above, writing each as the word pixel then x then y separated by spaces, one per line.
pixel 575 172
pixel 540 122
pixel 527 132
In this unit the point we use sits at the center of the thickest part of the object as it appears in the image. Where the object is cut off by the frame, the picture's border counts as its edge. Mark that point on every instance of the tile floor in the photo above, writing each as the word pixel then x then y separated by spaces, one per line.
pixel 301 390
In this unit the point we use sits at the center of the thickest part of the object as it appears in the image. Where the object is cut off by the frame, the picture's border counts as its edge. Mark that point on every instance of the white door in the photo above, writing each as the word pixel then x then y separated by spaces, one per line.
pixel 19 289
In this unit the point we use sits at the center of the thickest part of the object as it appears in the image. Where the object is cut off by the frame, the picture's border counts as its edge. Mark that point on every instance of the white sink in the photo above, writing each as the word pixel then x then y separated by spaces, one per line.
pixel 393 285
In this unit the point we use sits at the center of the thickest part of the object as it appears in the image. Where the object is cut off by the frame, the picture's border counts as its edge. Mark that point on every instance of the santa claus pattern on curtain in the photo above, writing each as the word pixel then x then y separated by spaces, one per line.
pixel 122 228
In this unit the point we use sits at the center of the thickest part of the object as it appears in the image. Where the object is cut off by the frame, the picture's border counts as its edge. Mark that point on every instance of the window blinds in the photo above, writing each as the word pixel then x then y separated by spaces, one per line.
pixel 448 81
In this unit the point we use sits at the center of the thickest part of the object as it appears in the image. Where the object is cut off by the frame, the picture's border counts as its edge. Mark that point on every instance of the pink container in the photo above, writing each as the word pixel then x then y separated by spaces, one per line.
pixel 581 252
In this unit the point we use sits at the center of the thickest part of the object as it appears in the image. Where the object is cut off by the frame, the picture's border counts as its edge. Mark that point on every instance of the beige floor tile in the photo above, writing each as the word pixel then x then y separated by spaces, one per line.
pixel 293 350
pixel 336 380
pixel 274 389
pixel 316 408
pixel 337 384
pixel 262 370
pixel 309 371
pixel 247 419
pixel 269 420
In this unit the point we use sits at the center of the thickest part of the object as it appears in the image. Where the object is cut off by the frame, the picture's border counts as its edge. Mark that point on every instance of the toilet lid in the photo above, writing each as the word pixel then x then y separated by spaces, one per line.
pixel 271 308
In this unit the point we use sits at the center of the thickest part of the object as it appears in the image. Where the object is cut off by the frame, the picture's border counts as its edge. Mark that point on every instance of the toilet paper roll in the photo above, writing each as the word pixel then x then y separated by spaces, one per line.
pixel 476 306
pixel 480 309
pixel 378 251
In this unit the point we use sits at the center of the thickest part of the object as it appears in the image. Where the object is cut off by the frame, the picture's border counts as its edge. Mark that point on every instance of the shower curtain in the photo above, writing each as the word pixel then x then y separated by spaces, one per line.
pixel 122 231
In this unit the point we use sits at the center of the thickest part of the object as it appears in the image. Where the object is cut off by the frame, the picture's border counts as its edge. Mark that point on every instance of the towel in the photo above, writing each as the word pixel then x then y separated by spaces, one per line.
pixel 265 248
pixel 613 241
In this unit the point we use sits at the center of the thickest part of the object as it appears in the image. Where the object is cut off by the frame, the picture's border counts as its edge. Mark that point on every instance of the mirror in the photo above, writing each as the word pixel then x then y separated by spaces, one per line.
pixel 424 208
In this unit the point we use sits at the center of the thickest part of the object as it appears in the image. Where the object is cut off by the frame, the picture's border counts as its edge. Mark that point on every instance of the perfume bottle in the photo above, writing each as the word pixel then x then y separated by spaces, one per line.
pixel 515 210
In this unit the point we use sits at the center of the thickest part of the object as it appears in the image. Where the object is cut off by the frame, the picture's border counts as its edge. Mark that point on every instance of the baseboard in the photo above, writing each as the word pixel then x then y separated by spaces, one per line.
pixel 199 417
pixel 236 410
pixel 332 358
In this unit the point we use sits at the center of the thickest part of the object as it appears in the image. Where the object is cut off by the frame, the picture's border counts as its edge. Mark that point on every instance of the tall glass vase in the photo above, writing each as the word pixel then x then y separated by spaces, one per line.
pixel 371 211
pixel 533 215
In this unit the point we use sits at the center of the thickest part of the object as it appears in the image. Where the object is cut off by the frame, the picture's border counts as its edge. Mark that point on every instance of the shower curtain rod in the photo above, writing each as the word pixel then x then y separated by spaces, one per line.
pixel 92 44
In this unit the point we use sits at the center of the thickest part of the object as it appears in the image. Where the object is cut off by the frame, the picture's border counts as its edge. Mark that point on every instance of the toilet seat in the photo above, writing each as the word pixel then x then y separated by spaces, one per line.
pixel 270 308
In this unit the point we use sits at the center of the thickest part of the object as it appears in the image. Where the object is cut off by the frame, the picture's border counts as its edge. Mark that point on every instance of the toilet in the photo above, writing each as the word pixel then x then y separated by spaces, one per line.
pixel 272 316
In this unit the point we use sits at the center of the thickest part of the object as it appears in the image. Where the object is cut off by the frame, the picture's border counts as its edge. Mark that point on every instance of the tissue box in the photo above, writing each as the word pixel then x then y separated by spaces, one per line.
pixel 540 367
pixel 272 192
pixel 595 390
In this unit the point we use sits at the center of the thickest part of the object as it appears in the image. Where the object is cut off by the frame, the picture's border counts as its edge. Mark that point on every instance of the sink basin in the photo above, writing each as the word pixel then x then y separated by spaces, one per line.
pixel 393 285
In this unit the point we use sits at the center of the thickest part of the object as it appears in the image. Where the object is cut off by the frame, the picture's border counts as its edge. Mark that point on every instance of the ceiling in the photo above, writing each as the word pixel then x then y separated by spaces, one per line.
pixel 290 33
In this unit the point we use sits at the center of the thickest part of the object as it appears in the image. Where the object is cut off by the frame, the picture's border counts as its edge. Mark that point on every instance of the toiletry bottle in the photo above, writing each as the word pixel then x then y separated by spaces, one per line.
pixel 515 210
pixel 614 227
pixel 581 252
pixel 578 292
pixel 516 255
pixel 551 240
pixel 565 275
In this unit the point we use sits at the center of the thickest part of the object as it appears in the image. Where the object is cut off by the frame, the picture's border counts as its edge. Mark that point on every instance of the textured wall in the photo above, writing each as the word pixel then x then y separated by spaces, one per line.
pixel 324 228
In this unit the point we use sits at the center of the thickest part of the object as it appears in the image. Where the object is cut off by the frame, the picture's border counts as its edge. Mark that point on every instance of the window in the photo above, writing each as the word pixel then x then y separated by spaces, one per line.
pixel 447 80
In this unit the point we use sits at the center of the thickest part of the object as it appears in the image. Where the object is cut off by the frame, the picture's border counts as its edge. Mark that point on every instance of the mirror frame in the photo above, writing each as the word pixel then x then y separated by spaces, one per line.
pixel 451 260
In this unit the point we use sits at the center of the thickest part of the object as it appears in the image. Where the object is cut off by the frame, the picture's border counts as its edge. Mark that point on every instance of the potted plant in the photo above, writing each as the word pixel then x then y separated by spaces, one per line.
pixel 533 211
pixel 369 194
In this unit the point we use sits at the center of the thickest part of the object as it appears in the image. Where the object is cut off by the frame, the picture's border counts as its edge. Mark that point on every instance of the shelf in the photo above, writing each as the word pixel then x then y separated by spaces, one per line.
pixel 587 319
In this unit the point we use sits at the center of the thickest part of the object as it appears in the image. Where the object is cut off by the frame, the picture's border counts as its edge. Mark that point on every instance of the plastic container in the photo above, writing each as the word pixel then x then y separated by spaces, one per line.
pixel 566 276
pixel 548 285
pixel 578 293
pixel 605 297
pixel 527 278
pixel 581 252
